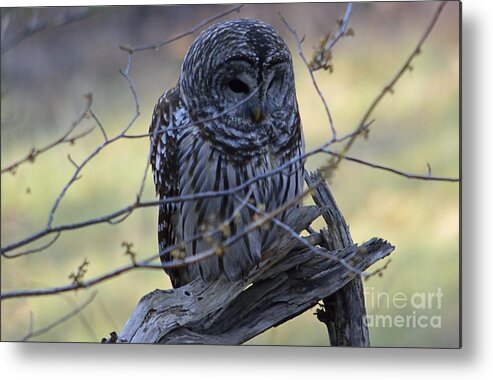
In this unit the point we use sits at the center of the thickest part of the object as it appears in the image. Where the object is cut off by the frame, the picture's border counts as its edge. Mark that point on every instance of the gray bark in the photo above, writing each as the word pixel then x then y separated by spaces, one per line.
pixel 343 311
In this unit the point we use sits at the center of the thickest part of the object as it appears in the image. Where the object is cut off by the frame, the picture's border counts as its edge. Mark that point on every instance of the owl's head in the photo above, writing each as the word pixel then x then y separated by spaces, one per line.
pixel 241 70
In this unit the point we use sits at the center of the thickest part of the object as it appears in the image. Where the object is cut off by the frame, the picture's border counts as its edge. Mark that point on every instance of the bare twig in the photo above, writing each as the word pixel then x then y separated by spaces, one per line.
pixel 102 146
pixel 75 286
pixel 30 251
pixel 378 272
pixel 156 46
pixel 315 84
pixel 323 55
pixel 389 88
pixel 99 124
pixel 311 247
pixel 34 24
pixel 78 275
pixel 87 325
pixel 59 321
pixel 126 75
pixel 64 139
pixel 72 161
pixel 427 177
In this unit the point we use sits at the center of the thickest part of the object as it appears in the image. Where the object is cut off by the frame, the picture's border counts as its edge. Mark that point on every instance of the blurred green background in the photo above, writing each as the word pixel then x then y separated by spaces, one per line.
pixel 43 82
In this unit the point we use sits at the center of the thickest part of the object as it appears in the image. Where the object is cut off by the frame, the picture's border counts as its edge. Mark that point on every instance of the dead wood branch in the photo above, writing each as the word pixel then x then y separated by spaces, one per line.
pixel 343 312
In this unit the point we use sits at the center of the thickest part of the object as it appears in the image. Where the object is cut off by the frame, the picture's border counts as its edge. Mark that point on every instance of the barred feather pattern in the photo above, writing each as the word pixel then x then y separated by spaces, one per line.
pixel 197 148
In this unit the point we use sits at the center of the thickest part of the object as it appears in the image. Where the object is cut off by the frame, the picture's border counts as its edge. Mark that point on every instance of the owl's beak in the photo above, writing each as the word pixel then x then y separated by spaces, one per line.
pixel 256 114
pixel 255 110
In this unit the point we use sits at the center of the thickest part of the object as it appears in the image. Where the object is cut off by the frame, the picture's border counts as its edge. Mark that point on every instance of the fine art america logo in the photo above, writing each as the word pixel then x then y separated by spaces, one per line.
pixel 418 310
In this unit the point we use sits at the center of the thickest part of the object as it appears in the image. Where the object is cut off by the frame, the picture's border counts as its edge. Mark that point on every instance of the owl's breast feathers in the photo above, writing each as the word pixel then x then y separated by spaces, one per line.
pixel 185 162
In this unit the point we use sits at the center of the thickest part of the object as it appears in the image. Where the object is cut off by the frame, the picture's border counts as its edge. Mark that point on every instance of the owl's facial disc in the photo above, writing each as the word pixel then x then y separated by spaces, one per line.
pixel 238 76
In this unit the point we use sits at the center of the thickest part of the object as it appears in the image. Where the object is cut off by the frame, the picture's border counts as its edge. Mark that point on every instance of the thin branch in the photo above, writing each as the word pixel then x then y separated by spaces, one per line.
pixel 428 177
pixel 31 324
pixel 342 30
pixel 322 57
pixel 156 46
pixel 310 71
pixel 28 252
pixel 64 139
pixel 121 219
pixel 59 321
pixel 389 88
pixel 106 313
pixel 138 204
pixel 106 143
pixel 126 75
pixel 312 248
pixel 75 286
pixel 72 161
pixel 378 272
pixel 87 325
pixel 99 124
pixel 34 25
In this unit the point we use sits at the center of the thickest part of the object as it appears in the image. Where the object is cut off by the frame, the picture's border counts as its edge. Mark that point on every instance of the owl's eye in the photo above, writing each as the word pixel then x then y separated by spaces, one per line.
pixel 275 83
pixel 238 86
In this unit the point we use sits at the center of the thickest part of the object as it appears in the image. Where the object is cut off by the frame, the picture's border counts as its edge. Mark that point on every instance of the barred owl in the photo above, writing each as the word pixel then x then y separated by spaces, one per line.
pixel 233 116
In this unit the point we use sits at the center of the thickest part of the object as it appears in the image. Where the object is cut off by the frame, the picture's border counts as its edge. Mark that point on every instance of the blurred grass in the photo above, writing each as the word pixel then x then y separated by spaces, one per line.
pixel 43 82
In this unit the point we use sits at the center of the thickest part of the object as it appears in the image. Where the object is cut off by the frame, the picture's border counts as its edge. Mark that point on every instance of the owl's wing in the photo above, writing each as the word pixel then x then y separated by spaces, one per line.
pixel 164 163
